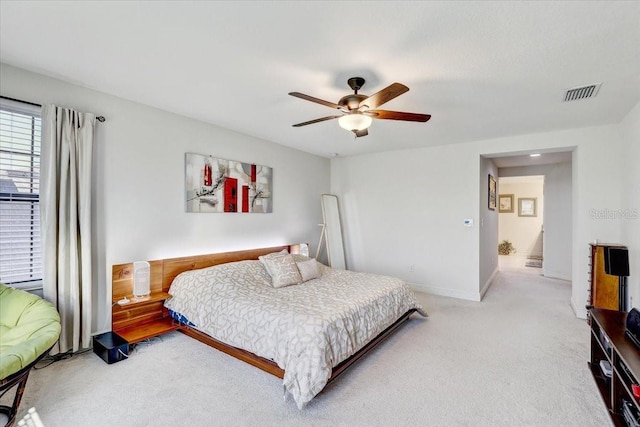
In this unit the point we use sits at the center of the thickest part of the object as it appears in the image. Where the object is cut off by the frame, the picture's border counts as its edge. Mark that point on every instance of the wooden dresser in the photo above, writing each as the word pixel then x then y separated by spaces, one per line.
pixel 603 289
pixel 610 345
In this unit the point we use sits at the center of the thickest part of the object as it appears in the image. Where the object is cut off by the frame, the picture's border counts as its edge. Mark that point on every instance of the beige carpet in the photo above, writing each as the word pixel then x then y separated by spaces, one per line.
pixel 516 359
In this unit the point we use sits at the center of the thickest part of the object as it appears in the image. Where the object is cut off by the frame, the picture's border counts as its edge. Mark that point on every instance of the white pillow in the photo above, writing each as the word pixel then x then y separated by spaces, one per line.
pixel 272 254
pixel 263 258
pixel 309 269
pixel 300 258
pixel 282 269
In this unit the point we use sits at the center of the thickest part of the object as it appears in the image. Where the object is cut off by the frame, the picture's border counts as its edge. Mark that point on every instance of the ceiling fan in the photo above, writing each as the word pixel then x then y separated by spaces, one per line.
pixel 357 110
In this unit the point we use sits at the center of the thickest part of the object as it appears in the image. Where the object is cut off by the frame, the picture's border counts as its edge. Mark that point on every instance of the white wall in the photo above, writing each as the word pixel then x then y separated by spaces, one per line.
pixel 597 178
pixel 407 207
pixel 557 222
pixel 525 233
pixel 488 227
pixel 139 183
pixel 631 200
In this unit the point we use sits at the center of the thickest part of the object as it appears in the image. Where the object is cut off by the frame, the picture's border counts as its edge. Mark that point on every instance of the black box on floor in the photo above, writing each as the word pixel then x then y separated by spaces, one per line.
pixel 111 347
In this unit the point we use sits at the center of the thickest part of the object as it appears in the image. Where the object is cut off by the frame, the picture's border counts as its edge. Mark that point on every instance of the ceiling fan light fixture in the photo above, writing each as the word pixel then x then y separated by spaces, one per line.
pixel 357 111
pixel 354 121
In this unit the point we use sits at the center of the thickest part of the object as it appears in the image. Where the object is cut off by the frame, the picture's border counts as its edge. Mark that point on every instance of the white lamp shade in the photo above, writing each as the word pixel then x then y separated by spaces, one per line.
pixel 141 279
pixel 354 121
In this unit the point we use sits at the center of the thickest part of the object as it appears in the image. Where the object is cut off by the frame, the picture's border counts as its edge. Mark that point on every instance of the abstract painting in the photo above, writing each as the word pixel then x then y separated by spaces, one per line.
pixel 492 192
pixel 218 185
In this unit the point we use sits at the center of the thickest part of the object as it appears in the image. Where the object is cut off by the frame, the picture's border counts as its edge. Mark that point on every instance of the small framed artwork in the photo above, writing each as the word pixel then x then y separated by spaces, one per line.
pixel 527 206
pixel 492 193
pixel 505 203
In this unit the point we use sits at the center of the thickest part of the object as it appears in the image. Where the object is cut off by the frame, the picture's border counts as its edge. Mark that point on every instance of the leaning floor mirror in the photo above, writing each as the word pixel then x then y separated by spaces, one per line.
pixel 332 232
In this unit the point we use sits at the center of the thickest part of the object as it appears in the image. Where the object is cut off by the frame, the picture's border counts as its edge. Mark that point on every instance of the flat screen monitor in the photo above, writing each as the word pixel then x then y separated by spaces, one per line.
pixel 616 261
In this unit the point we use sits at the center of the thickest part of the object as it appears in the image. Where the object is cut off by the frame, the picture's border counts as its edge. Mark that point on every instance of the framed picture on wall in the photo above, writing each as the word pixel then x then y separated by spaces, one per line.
pixel 505 203
pixel 492 193
pixel 213 184
pixel 527 206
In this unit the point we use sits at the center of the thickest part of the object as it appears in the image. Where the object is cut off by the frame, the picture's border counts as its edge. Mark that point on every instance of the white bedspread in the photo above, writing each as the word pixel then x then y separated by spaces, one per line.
pixel 306 329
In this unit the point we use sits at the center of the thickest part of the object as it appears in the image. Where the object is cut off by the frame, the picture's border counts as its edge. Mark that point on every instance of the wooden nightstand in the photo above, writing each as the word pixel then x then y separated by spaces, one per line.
pixel 140 318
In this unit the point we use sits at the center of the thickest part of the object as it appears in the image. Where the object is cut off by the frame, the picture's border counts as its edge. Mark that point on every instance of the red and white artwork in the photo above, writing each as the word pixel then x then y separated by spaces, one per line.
pixel 219 185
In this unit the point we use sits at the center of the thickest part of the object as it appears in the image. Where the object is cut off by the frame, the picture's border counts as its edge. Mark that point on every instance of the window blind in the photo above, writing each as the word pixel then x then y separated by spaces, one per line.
pixel 20 254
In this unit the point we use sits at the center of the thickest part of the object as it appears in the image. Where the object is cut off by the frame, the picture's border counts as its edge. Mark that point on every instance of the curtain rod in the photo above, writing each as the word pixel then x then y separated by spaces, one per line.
pixel 101 119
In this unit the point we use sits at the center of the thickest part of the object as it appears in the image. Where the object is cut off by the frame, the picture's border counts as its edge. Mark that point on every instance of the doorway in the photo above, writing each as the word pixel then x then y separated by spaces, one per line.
pixel 521 223
pixel 555 209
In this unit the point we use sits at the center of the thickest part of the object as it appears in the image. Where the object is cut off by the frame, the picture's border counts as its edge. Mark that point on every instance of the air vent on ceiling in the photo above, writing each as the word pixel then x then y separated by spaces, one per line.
pixel 583 92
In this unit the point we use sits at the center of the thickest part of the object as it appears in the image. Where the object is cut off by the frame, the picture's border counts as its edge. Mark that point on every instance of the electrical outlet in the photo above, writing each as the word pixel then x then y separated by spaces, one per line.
pixel 412 267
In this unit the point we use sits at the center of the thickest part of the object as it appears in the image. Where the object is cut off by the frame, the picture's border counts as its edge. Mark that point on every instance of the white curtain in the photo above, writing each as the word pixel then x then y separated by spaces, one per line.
pixel 65 220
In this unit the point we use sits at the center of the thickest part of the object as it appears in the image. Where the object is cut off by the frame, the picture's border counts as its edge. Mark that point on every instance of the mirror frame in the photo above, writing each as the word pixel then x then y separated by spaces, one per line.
pixel 333 232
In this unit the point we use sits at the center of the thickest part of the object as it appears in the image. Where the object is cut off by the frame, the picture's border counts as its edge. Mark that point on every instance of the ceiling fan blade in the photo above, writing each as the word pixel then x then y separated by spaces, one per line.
pixel 316 100
pixel 359 133
pixel 399 115
pixel 385 95
pixel 316 121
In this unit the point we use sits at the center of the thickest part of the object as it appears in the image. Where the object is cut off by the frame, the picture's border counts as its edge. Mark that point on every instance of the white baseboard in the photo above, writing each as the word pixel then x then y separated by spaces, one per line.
pixel 556 275
pixel 445 292
pixel 580 311
pixel 488 283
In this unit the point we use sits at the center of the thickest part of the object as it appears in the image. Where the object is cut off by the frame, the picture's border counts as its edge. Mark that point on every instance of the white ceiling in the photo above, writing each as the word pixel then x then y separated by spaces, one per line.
pixel 529 179
pixel 544 158
pixel 482 69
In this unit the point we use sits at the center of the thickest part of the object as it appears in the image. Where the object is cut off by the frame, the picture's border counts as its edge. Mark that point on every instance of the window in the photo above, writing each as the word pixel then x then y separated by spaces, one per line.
pixel 20 255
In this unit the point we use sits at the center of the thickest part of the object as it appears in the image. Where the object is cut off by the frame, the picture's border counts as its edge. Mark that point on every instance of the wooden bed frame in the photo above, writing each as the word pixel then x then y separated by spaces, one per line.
pixel 272 368
pixel 162 274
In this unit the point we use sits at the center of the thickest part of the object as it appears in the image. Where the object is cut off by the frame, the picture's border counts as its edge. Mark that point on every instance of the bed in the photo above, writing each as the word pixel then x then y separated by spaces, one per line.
pixel 305 331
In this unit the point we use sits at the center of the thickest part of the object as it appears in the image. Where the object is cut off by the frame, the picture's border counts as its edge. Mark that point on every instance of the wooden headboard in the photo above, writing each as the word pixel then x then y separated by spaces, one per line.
pixel 141 318
pixel 174 266
pixel 165 270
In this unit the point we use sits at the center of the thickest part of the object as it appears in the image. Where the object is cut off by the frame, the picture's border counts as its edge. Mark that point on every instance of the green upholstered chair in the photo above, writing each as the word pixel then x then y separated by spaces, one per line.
pixel 29 327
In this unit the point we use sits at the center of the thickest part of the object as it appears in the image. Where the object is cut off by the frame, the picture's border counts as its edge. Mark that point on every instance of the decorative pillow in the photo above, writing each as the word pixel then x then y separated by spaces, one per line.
pixel 309 269
pixel 282 269
pixel 300 258
pixel 263 258
pixel 273 254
